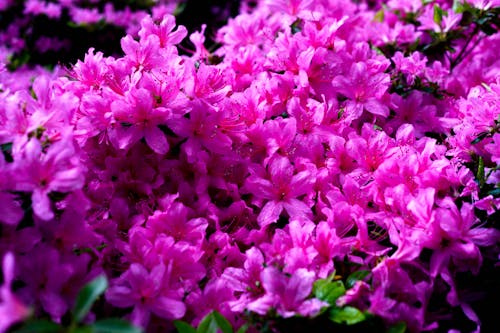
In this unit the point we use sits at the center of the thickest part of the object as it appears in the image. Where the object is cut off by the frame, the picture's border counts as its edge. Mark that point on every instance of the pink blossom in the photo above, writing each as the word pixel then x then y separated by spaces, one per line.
pixel 289 296
pixel 364 90
pixel 138 118
pixel 457 239
pixel 164 30
pixel 144 290
pixel 143 55
pixel 42 173
pixel 281 187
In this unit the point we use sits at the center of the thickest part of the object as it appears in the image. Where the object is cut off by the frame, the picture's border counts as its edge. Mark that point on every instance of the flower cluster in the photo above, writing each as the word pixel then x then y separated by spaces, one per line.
pixel 322 140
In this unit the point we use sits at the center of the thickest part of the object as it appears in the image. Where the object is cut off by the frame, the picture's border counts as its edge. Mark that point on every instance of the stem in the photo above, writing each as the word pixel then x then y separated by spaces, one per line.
pixel 463 54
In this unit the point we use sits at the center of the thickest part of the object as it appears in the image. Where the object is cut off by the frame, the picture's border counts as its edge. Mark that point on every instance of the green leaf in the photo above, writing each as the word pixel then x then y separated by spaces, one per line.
pixel 347 315
pixel 458 6
pixel 480 138
pixel 6 150
pixel 114 325
pixel 183 327
pixel 243 329
pixel 328 291
pixel 39 326
pixel 379 16
pixel 179 8
pixel 397 328
pixel 488 29
pixel 483 20
pixel 87 296
pixel 208 324
pixel 356 276
pixel 212 322
pixel 81 329
pixel 480 172
pixel 17 61
pixel 222 322
pixel 495 193
pixel 296 26
pixel 340 113
pixel 438 14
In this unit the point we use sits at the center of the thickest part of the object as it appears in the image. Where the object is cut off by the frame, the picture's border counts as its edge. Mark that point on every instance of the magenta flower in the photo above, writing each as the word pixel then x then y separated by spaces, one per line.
pixel 41 173
pixel 414 110
pixel 279 135
pixel 364 90
pixel 175 223
pixel 328 246
pixel 216 296
pixel 164 30
pixel 288 295
pixel 147 292
pixel 281 188
pixel 138 118
pixel 397 297
pixel 144 55
pixel 245 282
pixel 14 122
pixel 202 129
pixel 457 239
pixel 233 178
pixel 47 274
pixel 92 71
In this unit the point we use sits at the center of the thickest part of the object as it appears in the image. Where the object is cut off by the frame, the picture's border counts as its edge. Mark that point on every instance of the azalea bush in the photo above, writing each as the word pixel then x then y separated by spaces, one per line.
pixel 309 165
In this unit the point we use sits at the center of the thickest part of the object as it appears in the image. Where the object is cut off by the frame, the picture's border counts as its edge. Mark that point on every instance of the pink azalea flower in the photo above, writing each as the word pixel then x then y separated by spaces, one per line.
pixel 397 296
pixel 143 55
pixel 414 110
pixel 246 281
pixel 175 222
pixel 456 239
pixel 14 122
pixel 371 149
pixel 146 291
pixel 93 118
pixel 215 296
pixel 47 274
pixel 288 295
pixel 41 173
pixel 410 66
pixel 328 246
pixel 489 204
pixel 164 30
pixel 201 130
pixel 364 90
pixel 183 259
pixel 46 108
pixel 281 188
pixel 279 135
pixel 85 16
pixel 138 118
pixel 92 71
